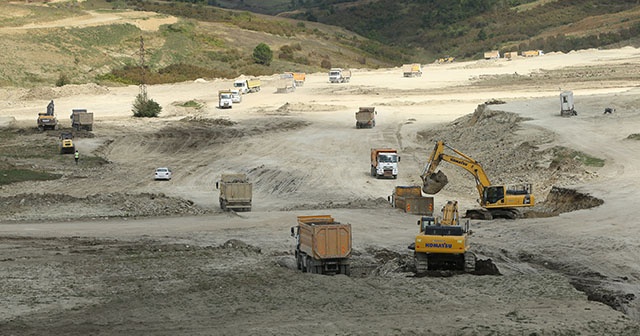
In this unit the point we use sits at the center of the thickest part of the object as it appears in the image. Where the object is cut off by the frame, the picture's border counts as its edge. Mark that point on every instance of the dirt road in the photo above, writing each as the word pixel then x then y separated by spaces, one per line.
pixel 86 258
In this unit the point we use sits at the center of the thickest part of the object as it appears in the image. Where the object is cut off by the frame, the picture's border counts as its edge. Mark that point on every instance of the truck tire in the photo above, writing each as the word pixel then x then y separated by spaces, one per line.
pixel 345 269
pixel 373 171
pixel 311 267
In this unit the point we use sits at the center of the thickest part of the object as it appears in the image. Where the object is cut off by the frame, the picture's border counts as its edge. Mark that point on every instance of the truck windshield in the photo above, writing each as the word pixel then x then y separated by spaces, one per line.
pixel 241 84
pixel 387 158
pixel 334 73
pixel 225 96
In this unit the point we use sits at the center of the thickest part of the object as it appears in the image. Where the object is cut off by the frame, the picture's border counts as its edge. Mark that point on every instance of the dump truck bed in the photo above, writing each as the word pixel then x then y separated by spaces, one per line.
pixel 323 238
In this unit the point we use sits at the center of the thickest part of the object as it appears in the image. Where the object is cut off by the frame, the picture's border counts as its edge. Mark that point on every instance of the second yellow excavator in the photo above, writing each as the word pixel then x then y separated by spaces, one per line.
pixel 497 201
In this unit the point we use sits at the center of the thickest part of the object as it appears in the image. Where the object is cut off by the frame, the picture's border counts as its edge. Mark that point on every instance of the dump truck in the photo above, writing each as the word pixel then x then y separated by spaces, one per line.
pixel 443 243
pixel 235 192
pixel 247 85
pixel 286 83
pixel 48 120
pixel 567 109
pixel 411 70
pixel 493 54
pixel 66 145
pixel 338 75
pixel 366 117
pixel 225 99
pixel 323 245
pixel 384 162
pixel 298 77
pixel 411 200
pixel 532 53
pixel 81 120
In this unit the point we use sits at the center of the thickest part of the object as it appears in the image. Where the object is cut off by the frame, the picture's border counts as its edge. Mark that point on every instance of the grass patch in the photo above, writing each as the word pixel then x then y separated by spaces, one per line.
pixel 191 103
pixel 564 154
pixel 634 136
pixel 13 175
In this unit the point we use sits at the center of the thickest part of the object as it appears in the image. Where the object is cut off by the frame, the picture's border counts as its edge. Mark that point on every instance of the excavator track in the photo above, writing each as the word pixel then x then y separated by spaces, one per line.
pixel 470 262
pixel 422 262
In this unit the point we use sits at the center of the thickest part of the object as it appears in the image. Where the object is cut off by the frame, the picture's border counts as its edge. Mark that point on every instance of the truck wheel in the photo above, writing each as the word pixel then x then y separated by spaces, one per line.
pixel 373 172
pixel 311 267
pixel 345 269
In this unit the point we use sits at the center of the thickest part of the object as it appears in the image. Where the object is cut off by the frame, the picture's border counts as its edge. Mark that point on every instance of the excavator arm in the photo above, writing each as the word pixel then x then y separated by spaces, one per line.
pixel 434 182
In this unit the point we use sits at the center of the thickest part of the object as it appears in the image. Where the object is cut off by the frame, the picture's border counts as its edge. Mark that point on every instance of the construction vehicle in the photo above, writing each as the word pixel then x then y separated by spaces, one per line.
pixel 567 109
pixel 411 70
pixel 443 244
pixel 497 201
pixel 446 59
pixel 411 200
pixel 532 53
pixel 298 77
pixel 384 162
pixel 366 117
pixel 81 120
pixel 286 83
pixel 493 54
pixel 48 120
pixel 323 245
pixel 235 192
pixel 66 145
pixel 225 99
pixel 247 85
pixel 338 75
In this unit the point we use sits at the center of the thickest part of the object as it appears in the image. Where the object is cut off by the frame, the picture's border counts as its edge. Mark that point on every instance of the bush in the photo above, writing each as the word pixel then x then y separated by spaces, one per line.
pixel 325 64
pixel 144 107
pixel 262 54
pixel 62 80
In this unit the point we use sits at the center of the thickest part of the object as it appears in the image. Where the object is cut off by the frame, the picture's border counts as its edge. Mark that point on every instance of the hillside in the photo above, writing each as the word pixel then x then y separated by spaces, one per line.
pixel 465 29
pixel 62 43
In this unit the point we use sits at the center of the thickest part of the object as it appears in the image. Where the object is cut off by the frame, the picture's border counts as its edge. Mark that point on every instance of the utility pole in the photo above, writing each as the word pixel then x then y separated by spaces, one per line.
pixel 143 81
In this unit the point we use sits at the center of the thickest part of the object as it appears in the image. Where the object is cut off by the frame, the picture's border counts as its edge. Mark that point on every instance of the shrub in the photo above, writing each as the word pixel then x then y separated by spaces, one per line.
pixel 262 54
pixel 325 64
pixel 62 80
pixel 144 107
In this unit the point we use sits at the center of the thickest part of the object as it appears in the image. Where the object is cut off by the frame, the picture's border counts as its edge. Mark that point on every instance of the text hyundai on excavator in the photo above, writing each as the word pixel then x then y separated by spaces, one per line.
pixel 497 201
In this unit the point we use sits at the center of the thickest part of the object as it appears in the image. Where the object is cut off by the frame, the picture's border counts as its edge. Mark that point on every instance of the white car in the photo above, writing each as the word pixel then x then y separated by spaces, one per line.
pixel 163 173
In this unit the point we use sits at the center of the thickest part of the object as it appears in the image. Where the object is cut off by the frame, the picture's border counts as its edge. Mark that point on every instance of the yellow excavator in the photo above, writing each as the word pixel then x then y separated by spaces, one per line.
pixel 443 244
pixel 497 201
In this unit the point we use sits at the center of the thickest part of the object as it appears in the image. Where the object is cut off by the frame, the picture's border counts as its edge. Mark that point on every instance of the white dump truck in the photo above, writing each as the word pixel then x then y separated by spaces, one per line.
pixel 338 75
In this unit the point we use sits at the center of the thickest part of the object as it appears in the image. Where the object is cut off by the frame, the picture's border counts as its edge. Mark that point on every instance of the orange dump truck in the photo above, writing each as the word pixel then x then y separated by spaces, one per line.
pixel 323 245
pixel 410 200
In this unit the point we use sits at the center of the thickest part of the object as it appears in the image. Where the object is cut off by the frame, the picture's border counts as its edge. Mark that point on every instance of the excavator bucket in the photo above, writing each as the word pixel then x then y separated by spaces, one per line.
pixel 433 183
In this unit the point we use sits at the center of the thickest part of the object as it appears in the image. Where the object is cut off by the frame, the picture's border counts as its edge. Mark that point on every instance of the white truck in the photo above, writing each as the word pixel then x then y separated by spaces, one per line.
pixel 224 99
pixel 236 96
pixel 384 162
pixel 247 85
pixel 338 75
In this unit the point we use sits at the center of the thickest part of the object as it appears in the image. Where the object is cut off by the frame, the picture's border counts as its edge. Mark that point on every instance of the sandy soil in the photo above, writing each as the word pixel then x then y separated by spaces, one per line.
pixel 106 250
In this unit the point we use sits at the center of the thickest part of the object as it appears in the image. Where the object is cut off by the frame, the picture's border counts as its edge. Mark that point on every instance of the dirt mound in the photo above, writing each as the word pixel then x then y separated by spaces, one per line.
pixel 560 200
pixel 32 206
pixel 493 138
pixel 371 203
pixel 64 91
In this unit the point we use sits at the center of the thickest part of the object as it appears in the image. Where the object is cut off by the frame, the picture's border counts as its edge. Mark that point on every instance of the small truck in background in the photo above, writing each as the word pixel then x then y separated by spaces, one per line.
pixel 323 246
pixel 412 70
pixel 366 117
pixel 247 85
pixel 225 99
pixel 235 192
pixel 81 120
pixel 384 162
pixel 338 75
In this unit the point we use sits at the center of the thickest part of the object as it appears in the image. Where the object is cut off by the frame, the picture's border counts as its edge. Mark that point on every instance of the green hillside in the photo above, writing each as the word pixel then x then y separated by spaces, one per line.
pixel 466 28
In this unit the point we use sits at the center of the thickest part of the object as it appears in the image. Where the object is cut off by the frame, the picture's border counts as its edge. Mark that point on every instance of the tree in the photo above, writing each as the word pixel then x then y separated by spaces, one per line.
pixel 262 54
pixel 145 107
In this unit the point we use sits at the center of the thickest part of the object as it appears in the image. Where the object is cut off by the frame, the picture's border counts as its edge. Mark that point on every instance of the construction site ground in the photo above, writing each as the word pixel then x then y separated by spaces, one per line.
pixel 107 250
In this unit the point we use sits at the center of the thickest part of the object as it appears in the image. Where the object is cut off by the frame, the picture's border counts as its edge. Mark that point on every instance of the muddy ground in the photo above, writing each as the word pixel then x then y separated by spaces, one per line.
pixel 106 250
